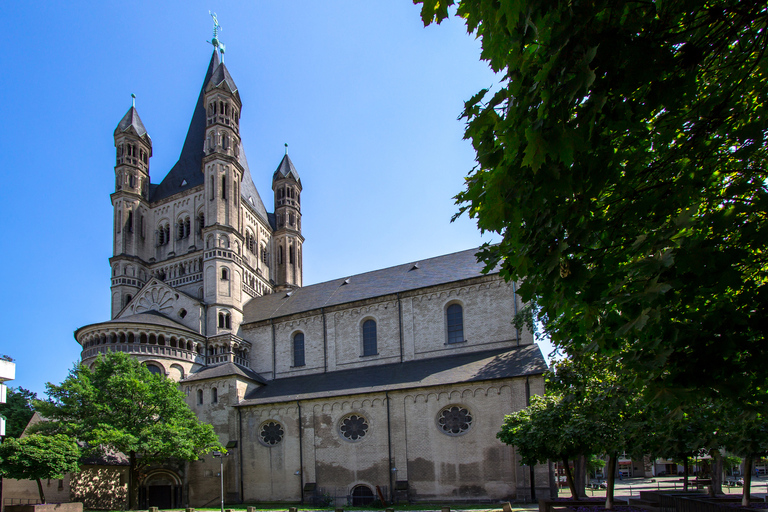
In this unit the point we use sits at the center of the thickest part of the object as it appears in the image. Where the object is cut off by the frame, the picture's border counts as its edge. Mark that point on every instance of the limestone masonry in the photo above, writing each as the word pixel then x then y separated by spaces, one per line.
pixel 389 384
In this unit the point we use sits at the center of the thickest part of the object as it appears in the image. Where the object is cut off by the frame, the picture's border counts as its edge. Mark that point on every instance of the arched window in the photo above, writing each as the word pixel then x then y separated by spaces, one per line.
pixel 369 338
pixel 167 233
pixel 455 320
pixel 200 396
pixel 180 230
pixel 200 224
pixel 225 320
pixel 280 255
pixel 187 227
pixel 298 349
pixel 224 274
pixel 223 187
pixel 214 395
pixel 291 255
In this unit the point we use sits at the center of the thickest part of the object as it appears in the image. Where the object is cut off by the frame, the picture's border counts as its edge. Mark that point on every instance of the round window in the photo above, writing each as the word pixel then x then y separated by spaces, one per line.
pixel 271 433
pixel 353 427
pixel 454 420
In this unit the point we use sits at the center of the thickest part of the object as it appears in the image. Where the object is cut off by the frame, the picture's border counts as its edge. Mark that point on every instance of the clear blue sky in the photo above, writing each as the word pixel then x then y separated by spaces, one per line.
pixel 365 96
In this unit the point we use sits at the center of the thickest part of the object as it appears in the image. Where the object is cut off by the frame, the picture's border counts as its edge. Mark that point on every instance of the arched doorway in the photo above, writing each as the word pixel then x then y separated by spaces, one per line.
pixel 362 496
pixel 162 489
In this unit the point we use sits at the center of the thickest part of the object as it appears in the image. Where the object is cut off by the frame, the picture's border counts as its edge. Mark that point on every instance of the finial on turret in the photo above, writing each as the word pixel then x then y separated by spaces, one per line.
pixel 286 148
pixel 218 45
pixel 133 100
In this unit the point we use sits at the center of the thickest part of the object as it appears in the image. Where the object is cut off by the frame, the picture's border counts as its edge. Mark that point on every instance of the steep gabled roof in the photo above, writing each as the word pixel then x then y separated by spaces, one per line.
pixel 131 120
pixel 410 276
pixel 221 77
pixel 286 169
pixel 187 173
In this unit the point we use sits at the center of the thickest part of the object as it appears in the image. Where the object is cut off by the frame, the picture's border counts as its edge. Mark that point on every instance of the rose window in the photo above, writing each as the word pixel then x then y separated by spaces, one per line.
pixel 454 420
pixel 271 433
pixel 354 427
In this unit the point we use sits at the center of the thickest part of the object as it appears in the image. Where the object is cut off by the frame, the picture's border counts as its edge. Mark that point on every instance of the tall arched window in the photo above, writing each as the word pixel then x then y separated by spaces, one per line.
pixel 200 396
pixel 214 395
pixel 369 338
pixel 298 349
pixel 455 320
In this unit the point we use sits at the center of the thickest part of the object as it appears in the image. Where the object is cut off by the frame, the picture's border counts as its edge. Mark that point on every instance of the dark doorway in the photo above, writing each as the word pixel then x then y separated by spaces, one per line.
pixel 160 496
pixel 362 496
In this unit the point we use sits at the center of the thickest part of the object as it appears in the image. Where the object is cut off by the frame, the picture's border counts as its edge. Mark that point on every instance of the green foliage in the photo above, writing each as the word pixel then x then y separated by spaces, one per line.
pixel 17 410
pixel 730 462
pixel 121 406
pixel 623 159
pixel 38 457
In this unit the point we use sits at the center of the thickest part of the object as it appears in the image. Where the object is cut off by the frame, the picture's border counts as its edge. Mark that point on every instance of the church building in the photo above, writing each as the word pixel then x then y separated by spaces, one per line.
pixel 390 384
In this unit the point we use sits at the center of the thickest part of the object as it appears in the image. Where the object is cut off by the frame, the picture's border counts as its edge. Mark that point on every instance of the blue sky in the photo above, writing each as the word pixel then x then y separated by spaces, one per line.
pixel 365 96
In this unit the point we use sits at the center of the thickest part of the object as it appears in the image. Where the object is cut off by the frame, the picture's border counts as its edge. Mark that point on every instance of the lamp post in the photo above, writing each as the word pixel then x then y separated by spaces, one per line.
pixel 221 456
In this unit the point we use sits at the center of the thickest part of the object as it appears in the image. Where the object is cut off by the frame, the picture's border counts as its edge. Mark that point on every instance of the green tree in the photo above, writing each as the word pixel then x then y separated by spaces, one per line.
pixel 121 406
pixel 17 410
pixel 548 430
pixel 623 159
pixel 37 457
pixel 747 436
pixel 602 392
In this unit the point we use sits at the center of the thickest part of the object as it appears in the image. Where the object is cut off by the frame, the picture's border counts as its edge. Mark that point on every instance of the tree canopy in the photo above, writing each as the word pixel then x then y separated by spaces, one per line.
pixel 623 160
pixel 121 406
pixel 38 457
pixel 17 410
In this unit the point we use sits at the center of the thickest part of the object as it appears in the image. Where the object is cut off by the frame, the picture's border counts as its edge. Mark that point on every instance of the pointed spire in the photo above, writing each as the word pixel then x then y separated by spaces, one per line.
pixel 286 169
pixel 130 120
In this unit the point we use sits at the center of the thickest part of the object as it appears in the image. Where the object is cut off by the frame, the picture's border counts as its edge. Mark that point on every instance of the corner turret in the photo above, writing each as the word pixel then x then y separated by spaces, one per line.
pixel 287 239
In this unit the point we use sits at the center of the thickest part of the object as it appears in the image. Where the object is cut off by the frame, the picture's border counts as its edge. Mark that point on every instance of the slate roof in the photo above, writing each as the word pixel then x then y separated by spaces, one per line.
pixel 188 170
pixel 224 370
pixel 147 318
pixel 131 119
pixel 457 368
pixel 410 276
pixel 285 169
pixel 221 75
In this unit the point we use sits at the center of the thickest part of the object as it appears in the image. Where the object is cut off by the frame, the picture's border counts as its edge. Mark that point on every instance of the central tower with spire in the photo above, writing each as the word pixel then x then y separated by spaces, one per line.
pixel 191 251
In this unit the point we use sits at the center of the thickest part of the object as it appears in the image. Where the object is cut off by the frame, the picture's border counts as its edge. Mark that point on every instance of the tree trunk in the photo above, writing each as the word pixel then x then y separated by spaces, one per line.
pixel 580 475
pixel 569 479
pixel 133 489
pixel 685 474
pixel 746 498
pixel 611 481
pixel 717 473
pixel 40 490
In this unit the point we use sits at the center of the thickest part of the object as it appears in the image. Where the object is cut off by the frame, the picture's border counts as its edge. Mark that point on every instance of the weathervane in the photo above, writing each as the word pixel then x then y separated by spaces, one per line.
pixel 215 40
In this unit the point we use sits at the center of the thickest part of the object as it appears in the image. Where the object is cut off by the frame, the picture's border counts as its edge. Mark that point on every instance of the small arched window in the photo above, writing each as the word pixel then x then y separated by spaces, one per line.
pixel 280 255
pixel 298 349
pixel 291 255
pixel 369 338
pixel 200 396
pixel 214 395
pixel 223 187
pixel 224 274
pixel 455 320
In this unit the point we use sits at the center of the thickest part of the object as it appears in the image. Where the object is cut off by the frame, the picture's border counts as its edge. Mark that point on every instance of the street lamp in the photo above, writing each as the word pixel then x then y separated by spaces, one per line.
pixel 221 456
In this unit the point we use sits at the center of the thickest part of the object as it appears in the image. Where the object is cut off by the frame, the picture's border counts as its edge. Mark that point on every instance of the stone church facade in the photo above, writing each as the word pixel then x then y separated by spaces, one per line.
pixel 391 383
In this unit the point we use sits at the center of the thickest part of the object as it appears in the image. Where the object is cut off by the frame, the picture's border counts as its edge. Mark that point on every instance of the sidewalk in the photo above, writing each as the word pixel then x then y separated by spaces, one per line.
pixel 632 486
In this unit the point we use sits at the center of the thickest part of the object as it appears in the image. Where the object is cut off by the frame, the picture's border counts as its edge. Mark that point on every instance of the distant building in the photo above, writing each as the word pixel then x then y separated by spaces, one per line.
pixel 392 382
pixel 7 372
